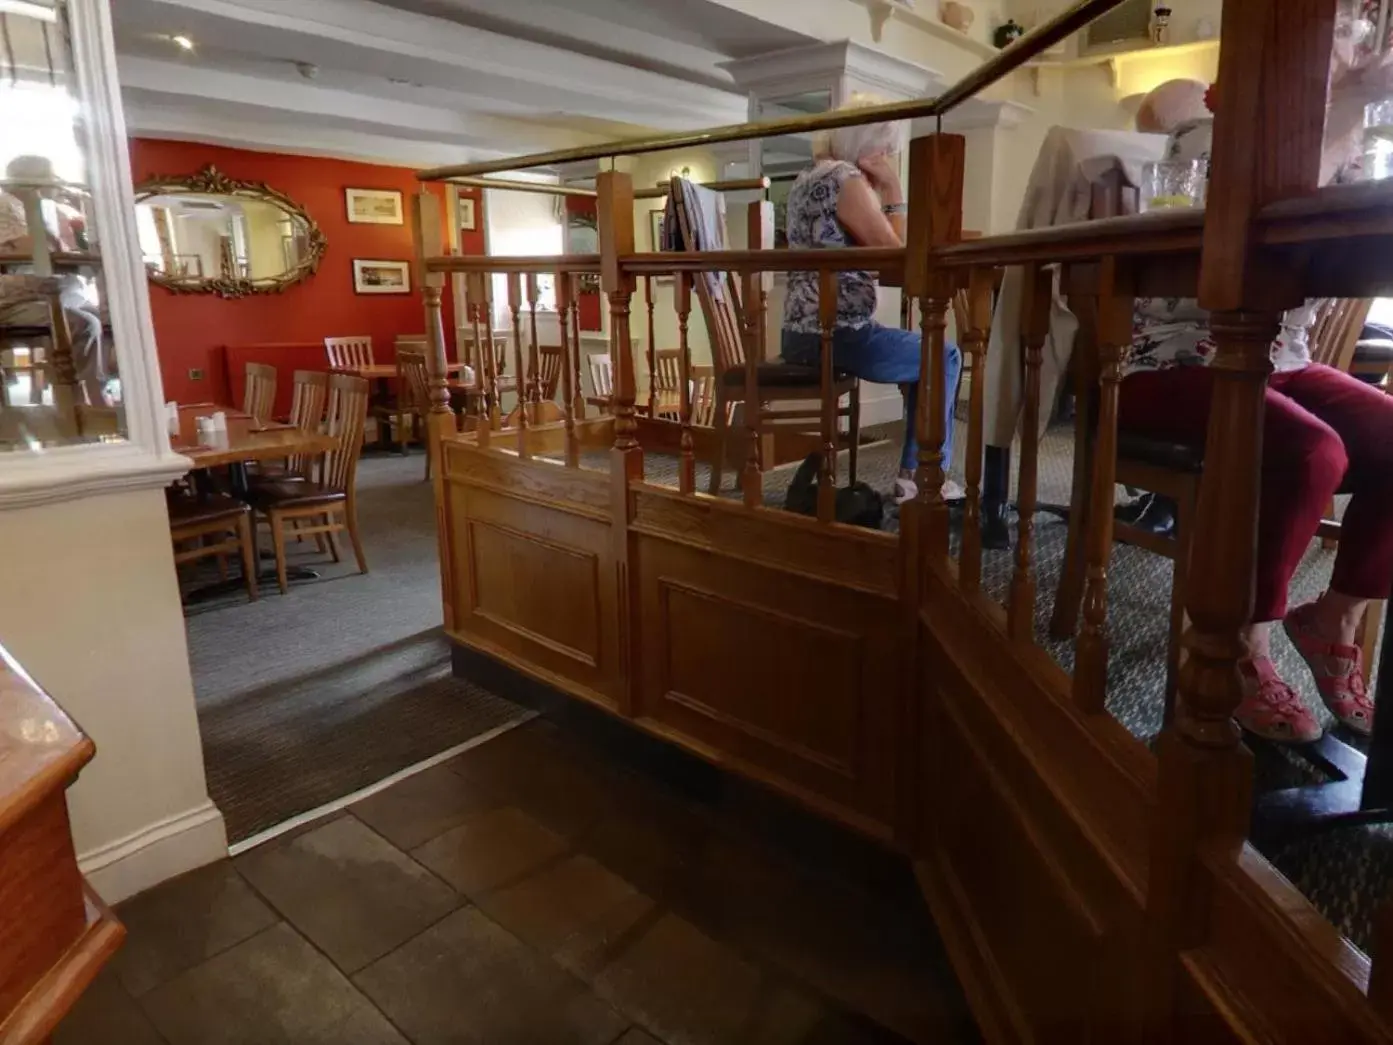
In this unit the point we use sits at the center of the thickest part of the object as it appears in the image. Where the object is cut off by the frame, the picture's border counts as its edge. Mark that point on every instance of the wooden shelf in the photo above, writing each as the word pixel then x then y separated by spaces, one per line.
pixel 1113 58
pixel 883 10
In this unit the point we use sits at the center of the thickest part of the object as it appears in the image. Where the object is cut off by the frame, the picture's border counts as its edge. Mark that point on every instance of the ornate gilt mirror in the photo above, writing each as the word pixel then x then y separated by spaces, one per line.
pixel 210 234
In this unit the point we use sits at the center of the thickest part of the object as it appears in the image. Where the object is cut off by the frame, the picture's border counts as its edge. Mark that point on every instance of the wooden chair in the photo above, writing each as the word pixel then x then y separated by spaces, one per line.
pixel 306 414
pixel 1171 470
pixel 194 520
pixel 259 395
pixel 549 362
pixel 601 381
pixel 667 383
pixel 704 396
pixel 328 505
pixel 348 353
pixel 776 382
pixel 412 400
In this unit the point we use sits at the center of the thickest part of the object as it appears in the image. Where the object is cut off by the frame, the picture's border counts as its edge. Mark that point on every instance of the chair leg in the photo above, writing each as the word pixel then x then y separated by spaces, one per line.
pixel 1366 638
pixel 854 424
pixel 246 537
pixel 1184 534
pixel 1064 621
pixel 333 544
pixel 278 542
pixel 351 518
pixel 721 428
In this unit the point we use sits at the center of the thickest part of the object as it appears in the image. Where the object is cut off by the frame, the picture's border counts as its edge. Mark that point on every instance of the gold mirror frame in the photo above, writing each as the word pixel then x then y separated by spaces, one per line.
pixel 213 182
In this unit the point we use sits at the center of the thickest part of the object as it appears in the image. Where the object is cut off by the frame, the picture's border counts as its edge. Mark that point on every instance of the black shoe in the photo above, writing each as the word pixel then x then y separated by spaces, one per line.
pixel 996 530
pixel 1151 514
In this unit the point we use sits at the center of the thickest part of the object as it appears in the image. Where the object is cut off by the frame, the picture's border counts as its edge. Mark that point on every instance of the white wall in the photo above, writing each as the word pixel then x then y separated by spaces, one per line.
pixel 100 628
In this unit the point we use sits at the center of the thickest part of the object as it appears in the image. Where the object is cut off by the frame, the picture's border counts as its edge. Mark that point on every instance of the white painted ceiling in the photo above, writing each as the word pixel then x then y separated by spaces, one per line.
pixel 431 81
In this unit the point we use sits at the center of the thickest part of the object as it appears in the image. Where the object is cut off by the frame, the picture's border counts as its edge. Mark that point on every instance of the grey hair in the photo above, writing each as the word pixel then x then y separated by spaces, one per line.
pixel 867 139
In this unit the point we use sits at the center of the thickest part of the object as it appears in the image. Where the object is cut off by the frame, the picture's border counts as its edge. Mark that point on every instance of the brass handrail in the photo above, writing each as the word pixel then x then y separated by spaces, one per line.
pixel 657 192
pixel 989 72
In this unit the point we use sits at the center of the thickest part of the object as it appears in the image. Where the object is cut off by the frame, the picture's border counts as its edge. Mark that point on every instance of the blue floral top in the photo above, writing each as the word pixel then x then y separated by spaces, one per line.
pixel 812 222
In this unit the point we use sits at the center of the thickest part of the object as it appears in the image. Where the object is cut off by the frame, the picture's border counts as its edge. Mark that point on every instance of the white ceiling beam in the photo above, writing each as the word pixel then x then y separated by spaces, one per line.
pixel 276 26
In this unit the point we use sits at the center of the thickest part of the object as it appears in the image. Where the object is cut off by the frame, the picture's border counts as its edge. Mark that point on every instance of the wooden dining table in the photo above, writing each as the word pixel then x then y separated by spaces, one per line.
pixel 246 439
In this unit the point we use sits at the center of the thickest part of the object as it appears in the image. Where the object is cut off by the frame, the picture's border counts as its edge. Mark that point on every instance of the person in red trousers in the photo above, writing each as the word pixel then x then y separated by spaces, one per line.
pixel 1322 431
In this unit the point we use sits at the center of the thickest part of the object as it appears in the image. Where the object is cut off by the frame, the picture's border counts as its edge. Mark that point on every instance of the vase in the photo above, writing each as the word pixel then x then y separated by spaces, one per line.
pixel 957 16
pixel 1007 33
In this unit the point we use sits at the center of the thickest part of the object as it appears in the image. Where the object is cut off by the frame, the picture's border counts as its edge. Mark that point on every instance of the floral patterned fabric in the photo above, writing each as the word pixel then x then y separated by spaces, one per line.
pixel 812 222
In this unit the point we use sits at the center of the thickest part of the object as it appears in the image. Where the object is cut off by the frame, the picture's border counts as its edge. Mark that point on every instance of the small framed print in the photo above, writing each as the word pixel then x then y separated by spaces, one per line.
pixel 467 220
pixel 374 207
pixel 381 277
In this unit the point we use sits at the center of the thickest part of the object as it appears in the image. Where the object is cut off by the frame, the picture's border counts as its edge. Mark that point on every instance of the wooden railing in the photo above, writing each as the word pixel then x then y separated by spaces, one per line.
pixel 1143 848
pixel 57 933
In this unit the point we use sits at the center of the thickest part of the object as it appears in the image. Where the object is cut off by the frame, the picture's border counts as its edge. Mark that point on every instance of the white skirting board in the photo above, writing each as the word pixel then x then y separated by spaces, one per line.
pixel 171 847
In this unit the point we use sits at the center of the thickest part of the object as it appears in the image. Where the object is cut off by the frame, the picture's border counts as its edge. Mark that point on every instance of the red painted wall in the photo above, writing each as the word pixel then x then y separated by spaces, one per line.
pixel 193 330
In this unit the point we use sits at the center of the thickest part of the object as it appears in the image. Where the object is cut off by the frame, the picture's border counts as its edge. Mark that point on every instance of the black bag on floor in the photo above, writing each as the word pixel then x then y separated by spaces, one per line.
pixel 857 505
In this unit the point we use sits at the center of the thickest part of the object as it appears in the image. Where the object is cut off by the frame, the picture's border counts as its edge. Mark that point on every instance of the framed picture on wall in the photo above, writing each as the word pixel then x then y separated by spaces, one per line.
pixel 381 277
pixel 466 213
pixel 655 228
pixel 374 207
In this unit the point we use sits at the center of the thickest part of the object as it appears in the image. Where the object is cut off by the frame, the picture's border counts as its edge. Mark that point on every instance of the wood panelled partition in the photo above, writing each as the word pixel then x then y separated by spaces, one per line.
pixel 1089 887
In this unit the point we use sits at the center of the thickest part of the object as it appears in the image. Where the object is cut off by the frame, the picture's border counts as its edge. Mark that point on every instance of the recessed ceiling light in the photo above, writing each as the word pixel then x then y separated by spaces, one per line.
pixel 183 41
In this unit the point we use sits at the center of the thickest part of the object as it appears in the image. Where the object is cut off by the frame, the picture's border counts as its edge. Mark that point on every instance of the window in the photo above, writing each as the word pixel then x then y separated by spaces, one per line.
pixel 522 224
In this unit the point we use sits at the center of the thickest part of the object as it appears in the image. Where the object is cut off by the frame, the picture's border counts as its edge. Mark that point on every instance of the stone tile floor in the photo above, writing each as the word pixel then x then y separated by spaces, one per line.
pixel 537 889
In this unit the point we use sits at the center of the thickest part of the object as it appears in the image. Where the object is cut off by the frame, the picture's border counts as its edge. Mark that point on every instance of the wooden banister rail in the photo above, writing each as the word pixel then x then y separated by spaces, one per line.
pixel 57 933
pixel 1062 25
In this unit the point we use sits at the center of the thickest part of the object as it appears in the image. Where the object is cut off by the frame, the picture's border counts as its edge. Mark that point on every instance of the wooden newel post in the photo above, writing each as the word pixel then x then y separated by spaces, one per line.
pixel 935 193
pixel 426 224
pixel 615 203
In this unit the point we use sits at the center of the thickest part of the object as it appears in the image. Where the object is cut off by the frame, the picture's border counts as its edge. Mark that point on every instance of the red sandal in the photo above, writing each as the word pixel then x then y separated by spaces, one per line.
pixel 1337 669
pixel 1270 707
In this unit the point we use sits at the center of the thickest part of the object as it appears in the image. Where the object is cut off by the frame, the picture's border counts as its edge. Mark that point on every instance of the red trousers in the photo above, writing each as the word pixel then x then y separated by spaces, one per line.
pixel 1322 431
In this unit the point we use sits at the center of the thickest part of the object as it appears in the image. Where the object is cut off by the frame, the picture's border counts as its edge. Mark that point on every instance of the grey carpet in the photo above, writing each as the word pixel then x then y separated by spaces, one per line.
pixel 311 696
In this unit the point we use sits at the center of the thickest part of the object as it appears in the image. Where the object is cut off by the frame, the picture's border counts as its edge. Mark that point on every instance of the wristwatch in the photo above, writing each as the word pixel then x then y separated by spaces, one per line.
pixel 895 208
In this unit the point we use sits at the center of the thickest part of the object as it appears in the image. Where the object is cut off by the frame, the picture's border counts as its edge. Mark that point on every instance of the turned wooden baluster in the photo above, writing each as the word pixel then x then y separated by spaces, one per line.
pixel 652 349
pixel 578 389
pixel 759 236
pixel 827 469
pixel 475 283
pixel 569 349
pixel 534 374
pixel 615 211
pixel 1115 304
pixel 974 347
pixel 515 305
pixel 1035 325
pixel 686 469
pixel 935 193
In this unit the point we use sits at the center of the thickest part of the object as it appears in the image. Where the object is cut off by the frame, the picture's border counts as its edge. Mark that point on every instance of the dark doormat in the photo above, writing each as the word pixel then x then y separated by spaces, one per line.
pixel 292 746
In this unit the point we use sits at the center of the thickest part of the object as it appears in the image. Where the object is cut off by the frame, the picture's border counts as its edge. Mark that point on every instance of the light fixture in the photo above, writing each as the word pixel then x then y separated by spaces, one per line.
pixel 184 43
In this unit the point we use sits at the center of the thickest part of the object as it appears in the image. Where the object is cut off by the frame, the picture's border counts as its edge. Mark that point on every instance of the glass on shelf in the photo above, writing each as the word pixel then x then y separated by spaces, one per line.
pixel 1172 184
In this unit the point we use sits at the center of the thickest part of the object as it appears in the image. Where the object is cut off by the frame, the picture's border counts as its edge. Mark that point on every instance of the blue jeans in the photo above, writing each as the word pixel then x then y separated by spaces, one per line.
pixel 887 356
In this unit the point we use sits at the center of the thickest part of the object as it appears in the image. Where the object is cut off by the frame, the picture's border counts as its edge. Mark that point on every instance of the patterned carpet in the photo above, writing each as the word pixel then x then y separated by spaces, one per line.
pixel 1345 873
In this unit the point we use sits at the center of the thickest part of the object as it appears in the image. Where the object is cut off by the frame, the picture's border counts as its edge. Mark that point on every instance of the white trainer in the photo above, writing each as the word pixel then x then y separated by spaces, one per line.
pixel 905 490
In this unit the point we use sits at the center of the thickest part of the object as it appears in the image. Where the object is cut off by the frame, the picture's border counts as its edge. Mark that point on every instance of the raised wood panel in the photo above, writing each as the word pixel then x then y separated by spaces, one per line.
pixel 536 585
pixel 1042 936
pixel 41 907
pixel 756 695
pixel 857 558
pixel 1104 777
pixel 794 678
pixel 515 577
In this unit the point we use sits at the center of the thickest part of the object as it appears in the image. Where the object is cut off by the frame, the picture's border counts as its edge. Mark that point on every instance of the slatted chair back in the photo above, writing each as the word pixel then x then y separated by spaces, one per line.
pixel 550 360
pixel 348 353
pixel 601 375
pixel 717 291
pixel 259 395
pixel 704 396
pixel 412 380
pixel 667 381
pixel 345 417
pixel 1339 323
pixel 307 410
